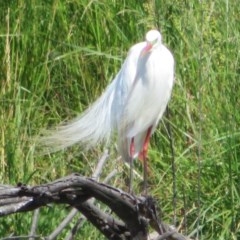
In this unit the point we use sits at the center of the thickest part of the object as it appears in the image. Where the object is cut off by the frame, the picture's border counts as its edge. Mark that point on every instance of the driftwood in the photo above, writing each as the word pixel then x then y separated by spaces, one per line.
pixel 135 214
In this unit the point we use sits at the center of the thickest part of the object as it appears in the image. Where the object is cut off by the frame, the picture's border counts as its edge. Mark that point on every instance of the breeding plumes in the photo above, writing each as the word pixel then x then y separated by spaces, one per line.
pixel 132 104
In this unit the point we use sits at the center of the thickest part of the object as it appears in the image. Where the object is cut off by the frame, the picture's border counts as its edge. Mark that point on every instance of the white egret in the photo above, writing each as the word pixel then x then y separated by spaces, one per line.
pixel 132 104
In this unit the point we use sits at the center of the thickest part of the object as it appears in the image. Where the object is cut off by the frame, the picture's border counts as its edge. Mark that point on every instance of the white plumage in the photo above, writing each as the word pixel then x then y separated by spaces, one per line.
pixel 131 105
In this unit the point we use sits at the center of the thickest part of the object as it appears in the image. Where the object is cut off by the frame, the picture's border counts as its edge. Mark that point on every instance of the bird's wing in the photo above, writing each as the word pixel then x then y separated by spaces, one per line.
pixel 100 119
pixel 124 81
pixel 147 97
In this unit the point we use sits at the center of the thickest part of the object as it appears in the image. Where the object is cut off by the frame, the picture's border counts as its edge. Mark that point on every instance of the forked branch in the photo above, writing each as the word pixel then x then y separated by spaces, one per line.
pixel 134 214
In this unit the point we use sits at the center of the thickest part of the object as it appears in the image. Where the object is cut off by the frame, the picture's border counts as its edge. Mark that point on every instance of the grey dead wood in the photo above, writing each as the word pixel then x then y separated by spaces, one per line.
pixel 135 214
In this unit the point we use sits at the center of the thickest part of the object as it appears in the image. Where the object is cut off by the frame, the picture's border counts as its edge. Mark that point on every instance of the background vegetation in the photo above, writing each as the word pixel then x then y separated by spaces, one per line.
pixel 58 56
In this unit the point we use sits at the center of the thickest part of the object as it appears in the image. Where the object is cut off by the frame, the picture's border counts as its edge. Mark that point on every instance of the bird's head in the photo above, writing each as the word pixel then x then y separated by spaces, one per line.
pixel 153 39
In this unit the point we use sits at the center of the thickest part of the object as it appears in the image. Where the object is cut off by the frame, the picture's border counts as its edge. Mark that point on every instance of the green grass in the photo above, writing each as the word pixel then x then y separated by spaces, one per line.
pixel 58 56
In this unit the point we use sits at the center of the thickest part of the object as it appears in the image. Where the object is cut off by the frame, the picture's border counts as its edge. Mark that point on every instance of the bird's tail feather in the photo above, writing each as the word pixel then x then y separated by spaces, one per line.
pixel 91 127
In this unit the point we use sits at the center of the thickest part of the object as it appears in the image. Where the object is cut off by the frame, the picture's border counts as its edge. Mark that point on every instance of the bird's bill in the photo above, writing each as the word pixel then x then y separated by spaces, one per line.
pixel 146 49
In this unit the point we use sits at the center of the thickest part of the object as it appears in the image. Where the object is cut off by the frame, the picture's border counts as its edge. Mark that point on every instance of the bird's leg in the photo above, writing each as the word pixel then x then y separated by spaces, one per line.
pixel 132 151
pixel 144 155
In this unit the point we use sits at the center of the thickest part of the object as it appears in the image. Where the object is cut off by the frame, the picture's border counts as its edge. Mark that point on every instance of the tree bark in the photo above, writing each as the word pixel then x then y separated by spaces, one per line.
pixel 135 215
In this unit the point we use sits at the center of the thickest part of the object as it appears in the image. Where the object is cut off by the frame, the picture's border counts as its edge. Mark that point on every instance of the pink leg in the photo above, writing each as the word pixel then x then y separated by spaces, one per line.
pixel 132 148
pixel 146 143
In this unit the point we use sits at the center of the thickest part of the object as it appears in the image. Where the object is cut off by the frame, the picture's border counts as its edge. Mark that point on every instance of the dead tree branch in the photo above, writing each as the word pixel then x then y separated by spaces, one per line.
pixel 135 214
